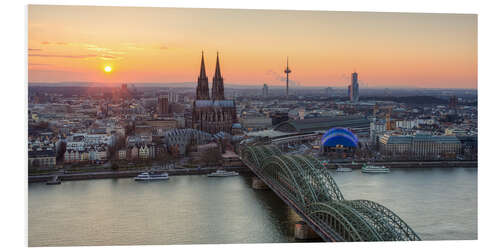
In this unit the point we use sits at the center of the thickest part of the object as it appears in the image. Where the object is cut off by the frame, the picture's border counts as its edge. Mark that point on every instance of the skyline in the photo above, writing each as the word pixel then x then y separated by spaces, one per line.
pixel 163 45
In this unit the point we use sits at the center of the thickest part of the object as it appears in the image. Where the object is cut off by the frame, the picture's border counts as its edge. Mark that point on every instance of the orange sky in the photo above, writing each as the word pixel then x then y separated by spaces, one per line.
pixel 74 44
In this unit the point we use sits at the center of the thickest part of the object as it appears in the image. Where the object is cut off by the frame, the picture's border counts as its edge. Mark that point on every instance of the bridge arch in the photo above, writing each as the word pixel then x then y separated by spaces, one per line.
pixel 343 222
pixel 305 182
pixel 389 225
pixel 257 154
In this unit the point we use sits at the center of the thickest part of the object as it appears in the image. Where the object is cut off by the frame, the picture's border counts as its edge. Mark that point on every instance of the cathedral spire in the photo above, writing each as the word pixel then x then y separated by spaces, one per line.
pixel 202 91
pixel 217 68
pixel 218 82
pixel 203 74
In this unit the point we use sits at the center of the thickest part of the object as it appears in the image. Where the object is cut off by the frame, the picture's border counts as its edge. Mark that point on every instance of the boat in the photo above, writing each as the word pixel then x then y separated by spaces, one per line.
pixel 374 169
pixel 54 181
pixel 344 169
pixel 223 173
pixel 151 176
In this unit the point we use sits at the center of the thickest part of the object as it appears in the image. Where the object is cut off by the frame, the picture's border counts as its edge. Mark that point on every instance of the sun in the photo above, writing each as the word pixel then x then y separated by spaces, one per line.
pixel 108 69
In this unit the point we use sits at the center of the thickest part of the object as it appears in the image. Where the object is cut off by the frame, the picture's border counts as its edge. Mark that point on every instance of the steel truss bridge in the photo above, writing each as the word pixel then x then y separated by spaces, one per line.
pixel 306 186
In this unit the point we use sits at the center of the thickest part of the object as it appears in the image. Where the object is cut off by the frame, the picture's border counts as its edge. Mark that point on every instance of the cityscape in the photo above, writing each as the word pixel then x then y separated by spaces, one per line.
pixel 350 160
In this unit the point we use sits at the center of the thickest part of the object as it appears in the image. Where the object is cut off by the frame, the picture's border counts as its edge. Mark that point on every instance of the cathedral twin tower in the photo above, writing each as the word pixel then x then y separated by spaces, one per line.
pixel 202 91
pixel 216 114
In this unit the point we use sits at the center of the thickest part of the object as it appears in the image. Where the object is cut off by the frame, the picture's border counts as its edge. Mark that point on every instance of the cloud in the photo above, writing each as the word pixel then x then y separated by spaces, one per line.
pixel 45 42
pixel 116 52
pixel 34 49
pixel 62 43
pixel 108 57
pixel 39 64
pixel 62 56
pixel 98 49
pixel 164 47
pixel 131 46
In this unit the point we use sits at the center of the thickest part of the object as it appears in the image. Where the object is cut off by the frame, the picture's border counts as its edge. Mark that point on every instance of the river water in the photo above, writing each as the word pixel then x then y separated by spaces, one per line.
pixel 439 204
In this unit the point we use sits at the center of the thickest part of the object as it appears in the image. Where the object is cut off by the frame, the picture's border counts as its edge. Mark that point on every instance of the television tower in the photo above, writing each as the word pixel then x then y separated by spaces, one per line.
pixel 287 71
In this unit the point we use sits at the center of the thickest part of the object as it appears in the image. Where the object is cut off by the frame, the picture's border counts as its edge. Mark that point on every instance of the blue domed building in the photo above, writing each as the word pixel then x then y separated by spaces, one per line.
pixel 339 141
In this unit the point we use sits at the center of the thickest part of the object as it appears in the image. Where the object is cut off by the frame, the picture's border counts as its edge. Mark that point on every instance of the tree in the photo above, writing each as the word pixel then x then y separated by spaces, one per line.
pixel 115 166
pixel 129 129
pixel 119 144
pixel 211 157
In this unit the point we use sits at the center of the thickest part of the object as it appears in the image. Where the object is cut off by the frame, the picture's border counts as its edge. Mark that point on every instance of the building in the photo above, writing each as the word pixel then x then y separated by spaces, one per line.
pixel 158 126
pixel 279 117
pixel 265 91
pixel 339 141
pixel 255 122
pixel 173 97
pixel 420 146
pixel 353 89
pixel 42 158
pixel 358 125
pixel 143 152
pixel 215 114
pixel 163 105
pixel 178 141
pixel 122 154
pixel 453 102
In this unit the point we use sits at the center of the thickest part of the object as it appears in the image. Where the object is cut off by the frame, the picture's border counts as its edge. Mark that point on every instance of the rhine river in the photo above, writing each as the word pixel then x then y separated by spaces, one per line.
pixel 439 204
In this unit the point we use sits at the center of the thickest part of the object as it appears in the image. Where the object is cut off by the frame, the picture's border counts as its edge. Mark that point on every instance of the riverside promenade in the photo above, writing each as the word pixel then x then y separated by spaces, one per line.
pixel 65 176
pixel 126 173
pixel 407 164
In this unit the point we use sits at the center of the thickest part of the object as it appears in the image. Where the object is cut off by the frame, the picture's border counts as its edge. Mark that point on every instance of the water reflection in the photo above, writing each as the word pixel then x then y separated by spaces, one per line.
pixel 436 203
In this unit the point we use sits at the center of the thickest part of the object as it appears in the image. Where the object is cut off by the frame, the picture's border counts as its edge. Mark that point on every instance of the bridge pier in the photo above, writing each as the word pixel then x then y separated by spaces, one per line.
pixel 304 232
pixel 258 184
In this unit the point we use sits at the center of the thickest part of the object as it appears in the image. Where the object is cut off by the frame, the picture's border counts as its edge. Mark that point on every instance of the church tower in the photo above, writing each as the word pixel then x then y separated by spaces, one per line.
pixel 218 83
pixel 202 91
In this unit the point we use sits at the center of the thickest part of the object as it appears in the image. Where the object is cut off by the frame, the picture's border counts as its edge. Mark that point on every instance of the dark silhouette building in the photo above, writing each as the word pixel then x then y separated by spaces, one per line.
pixel 453 102
pixel 202 92
pixel 163 105
pixel 216 114
pixel 353 89
pixel 279 117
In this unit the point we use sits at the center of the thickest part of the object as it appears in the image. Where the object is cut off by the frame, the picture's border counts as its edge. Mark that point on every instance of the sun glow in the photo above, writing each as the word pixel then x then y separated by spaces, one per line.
pixel 107 69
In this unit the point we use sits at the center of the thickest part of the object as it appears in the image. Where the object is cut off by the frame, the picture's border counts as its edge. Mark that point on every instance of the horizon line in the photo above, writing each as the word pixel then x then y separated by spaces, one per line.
pixel 243 85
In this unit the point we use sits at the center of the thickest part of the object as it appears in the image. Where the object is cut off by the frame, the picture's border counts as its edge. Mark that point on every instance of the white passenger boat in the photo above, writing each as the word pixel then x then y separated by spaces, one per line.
pixel 223 173
pixel 150 176
pixel 344 170
pixel 374 169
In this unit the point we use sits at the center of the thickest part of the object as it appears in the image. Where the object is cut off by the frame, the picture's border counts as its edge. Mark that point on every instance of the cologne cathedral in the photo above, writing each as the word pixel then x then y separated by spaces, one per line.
pixel 213 114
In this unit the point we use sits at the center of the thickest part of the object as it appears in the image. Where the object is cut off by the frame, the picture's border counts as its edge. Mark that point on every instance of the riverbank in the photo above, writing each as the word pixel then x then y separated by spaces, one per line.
pixel 242 170
pixel 126 174
pixel 408 164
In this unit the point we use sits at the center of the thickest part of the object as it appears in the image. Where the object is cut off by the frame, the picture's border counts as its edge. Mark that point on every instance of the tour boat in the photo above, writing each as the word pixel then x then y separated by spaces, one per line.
pixel 223 173
pixel 374 169
pixel 150 176
pixel 344 169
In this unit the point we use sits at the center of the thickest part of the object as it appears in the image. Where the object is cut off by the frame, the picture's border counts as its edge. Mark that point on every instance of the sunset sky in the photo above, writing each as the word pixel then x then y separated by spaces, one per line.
pixel 163 45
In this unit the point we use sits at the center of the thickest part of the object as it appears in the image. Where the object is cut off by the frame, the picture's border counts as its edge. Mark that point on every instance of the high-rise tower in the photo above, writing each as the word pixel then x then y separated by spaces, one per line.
pixel 287 71
pixel 265 90
pixel 202 91
pixel 163 109
pixel 354 88
pixel 218 83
